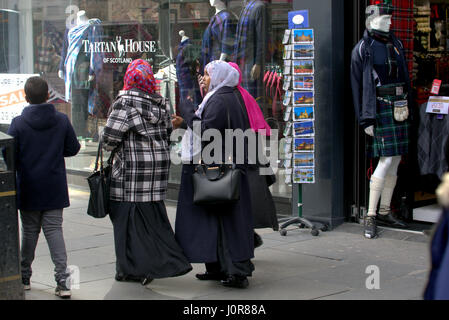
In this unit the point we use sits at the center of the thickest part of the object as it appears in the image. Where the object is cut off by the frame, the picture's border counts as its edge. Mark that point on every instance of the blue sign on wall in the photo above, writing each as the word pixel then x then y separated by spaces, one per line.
pixel 298 19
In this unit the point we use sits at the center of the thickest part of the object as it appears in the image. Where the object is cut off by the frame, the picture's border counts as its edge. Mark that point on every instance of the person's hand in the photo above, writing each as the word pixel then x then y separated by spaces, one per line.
pixel 176 121
pixel 443 192
pixel 202 83
pixel 370 131
pixel 255 72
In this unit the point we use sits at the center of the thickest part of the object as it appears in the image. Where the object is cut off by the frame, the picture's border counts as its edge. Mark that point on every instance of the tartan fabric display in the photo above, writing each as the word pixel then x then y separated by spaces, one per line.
pixel 390 137
pixel 251 45
pixel 139 125
pixel 219 37
pixel 403 25
pixel 48 47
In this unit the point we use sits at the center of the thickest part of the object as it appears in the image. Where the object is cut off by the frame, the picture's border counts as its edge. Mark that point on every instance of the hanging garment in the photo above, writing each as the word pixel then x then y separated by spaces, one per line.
pixel 187 81
pixel 78 64
pixel 219 37
pixel 49 45
pixel 251 44
pixel 433 135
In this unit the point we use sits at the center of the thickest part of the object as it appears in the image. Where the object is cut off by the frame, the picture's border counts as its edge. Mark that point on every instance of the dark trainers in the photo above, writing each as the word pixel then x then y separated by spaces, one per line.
pixel 26 284
pixel 370 228
pixel 390 221
pixel 62 290
pixel 236 282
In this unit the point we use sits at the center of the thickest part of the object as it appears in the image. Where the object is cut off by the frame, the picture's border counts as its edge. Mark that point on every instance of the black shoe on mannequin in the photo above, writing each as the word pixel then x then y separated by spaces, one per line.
pixel 370 228
pixel 390 221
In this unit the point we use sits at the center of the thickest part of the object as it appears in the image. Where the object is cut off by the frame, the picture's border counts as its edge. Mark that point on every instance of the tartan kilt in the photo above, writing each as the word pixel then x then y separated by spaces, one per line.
pixel 390 136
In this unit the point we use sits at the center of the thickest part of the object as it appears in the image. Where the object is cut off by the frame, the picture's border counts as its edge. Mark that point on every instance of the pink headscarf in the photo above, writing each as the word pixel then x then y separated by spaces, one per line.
pixel 255 115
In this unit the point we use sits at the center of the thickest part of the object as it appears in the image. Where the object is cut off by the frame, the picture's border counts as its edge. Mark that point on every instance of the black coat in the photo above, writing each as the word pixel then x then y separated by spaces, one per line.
pixel 197 226
pixel 43 137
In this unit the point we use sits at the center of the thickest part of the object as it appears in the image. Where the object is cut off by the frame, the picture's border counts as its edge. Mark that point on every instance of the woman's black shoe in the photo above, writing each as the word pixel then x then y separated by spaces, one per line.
pixel 207 276
pixel 236 282
pixel 257 241
pixel 126 278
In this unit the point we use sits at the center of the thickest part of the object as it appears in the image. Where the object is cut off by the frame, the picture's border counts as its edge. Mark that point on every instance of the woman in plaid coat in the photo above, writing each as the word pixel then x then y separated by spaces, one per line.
pixel 138 129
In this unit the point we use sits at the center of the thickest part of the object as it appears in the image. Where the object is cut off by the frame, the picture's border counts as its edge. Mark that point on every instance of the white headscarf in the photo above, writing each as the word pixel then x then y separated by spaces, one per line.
pixel 221 75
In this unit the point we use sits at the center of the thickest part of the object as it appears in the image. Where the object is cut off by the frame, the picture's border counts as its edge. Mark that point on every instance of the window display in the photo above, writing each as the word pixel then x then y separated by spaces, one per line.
pixel 82 49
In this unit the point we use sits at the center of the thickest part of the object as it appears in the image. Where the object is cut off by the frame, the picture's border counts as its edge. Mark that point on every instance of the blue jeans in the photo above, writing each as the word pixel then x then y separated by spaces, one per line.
pixel 51 223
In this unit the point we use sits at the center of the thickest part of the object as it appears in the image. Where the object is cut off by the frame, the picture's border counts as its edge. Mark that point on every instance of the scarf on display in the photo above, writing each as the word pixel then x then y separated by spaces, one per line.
pixel 255 115
pixel 221 75
pixel 76 36
pixel 273 81
pixel 392 62
pixel 139 75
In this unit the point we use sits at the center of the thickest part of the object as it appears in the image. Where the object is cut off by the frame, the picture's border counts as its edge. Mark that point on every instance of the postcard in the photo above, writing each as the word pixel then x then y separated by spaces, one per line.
pixel 303 160
pixel 301 98
pixel 302 36
pixel 287 36
pixel 303 51
pixel 287 82
pixel 304 144
pixel 304 128
pixel 303 83
pixel 288 113
pixel 287 98
pixel 303 113
pixel 303 67
pixel 288 129
pixel 304 176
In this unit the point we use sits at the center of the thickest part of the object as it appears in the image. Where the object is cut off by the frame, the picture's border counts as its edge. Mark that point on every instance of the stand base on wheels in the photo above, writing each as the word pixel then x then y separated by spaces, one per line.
pixel 303 223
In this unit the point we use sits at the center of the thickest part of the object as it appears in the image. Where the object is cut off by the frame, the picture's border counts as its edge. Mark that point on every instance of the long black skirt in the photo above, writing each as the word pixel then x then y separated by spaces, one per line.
pixel 145 244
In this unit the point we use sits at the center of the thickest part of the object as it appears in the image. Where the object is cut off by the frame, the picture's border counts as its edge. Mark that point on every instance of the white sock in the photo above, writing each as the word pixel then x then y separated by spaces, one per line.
pixel 387 194
pixel 376 187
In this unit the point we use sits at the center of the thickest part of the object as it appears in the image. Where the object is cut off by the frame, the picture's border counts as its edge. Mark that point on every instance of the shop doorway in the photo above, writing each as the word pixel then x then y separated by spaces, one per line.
pixel 423 27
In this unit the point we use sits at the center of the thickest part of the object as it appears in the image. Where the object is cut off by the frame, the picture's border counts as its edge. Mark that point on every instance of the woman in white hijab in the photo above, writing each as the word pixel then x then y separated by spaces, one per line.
pixel 220 236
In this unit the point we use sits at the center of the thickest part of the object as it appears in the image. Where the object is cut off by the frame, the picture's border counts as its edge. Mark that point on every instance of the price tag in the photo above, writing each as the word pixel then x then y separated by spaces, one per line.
pixel 436 87
pixel 438 105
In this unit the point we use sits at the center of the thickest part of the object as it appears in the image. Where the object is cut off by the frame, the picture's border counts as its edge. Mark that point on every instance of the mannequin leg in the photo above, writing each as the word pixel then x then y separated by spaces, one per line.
pixel 377 184
pixel 390 184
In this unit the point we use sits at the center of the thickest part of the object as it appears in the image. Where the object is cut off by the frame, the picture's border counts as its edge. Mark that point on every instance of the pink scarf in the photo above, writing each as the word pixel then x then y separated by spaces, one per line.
pixel 255 115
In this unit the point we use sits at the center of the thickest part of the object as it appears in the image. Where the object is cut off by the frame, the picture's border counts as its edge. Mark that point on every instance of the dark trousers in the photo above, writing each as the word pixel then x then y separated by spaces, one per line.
pixel 51 223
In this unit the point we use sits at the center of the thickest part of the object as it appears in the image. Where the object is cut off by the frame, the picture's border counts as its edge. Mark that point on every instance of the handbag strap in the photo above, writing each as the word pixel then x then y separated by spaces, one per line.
pixel 99 156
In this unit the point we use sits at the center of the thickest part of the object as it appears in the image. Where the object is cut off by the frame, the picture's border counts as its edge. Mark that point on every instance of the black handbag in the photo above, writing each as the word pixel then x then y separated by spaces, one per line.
pixel 216 184
pixel 99 185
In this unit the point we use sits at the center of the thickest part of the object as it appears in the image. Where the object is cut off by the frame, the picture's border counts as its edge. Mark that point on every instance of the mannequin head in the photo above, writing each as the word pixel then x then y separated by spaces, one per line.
pixel 215 3
pixel 378 16
pixel 81 17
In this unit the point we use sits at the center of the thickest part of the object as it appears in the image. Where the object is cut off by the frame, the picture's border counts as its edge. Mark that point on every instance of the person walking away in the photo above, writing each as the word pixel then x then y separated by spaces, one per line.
pixel 43 137
pixel 138 130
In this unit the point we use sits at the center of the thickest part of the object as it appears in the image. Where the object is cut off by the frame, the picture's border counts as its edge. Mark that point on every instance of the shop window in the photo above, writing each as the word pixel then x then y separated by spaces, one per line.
pixel 40 37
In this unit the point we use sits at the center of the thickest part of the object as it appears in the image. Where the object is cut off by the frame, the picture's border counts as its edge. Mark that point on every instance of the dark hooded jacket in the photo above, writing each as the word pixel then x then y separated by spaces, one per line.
pixel 363 80
pixel 43 137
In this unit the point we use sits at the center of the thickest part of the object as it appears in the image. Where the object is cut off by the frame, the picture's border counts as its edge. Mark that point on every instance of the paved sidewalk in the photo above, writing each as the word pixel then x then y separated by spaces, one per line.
pixel 296 267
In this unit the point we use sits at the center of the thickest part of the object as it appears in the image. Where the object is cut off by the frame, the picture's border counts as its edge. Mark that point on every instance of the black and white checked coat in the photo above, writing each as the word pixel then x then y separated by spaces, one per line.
pixel 140 126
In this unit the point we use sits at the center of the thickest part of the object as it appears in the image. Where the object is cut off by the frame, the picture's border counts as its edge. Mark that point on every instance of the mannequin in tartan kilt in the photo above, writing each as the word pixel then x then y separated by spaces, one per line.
pixel 381 87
